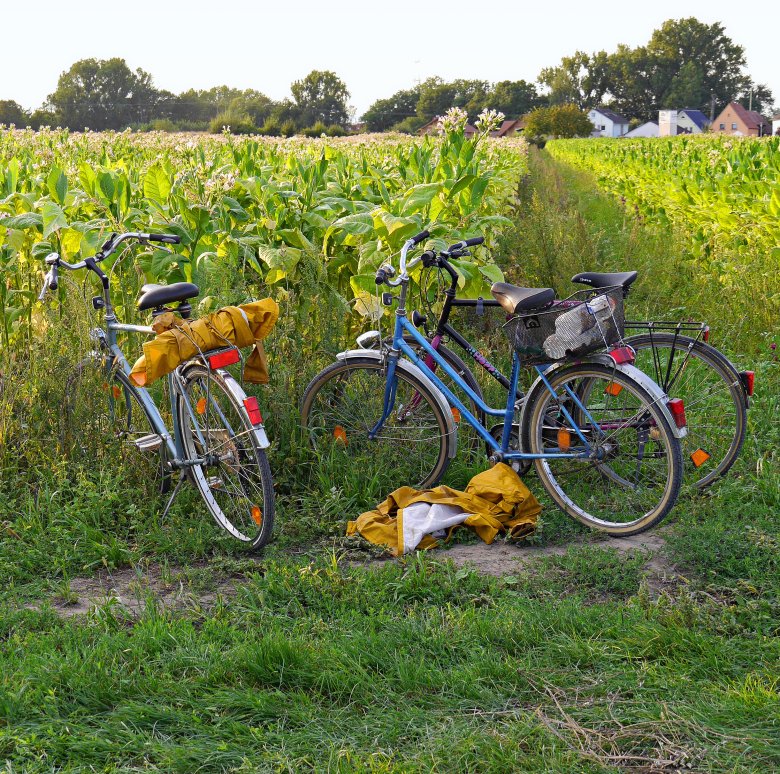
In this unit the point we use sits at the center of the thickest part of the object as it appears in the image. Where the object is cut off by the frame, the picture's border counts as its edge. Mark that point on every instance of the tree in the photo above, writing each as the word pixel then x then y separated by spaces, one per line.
pixel 513 98
pixel 756 96
pixel 385 113
pixel 437 97
pixel 558 121
pixel 12 113
pixel 579 79
pixel 685 64
pixel 103 94
pixel 321 96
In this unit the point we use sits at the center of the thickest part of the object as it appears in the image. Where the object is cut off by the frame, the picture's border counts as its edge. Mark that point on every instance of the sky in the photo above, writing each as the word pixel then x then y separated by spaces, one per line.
pixel 375 48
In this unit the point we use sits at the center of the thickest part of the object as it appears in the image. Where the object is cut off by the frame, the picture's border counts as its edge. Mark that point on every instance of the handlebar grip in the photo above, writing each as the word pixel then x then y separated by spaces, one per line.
pixel 415 240
pixel 169 239
pixel 54 277
pixel 381 277
pixel 474 241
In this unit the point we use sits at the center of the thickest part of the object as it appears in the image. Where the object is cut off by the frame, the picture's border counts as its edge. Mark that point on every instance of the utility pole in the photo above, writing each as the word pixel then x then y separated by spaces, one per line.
pixel 751 101
pixel 712 106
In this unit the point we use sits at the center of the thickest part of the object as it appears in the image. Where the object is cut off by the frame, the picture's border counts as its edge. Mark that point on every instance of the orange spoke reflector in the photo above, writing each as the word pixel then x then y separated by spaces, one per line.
pixel 104 385
pixel 613 388
pixel 564 439
pixel 699 457
pixel 201 406
pixel 117 391
pixel 455 414
pixel 257 515
pixel 340 434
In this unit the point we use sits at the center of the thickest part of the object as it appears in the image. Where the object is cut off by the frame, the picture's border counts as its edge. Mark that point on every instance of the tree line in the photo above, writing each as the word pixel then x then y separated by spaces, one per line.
pixel 686 63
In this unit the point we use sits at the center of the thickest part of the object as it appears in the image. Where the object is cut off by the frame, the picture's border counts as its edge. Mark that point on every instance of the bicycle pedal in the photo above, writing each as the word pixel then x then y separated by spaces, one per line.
pixel 148 443
pixel 215 482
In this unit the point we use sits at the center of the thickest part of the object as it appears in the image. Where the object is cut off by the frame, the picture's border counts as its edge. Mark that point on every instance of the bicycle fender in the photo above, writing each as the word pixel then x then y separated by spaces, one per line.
pixel 660 398
pixel 412 369
pixel 238 393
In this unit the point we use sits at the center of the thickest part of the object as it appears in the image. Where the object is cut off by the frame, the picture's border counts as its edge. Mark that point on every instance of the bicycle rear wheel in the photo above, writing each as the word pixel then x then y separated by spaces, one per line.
pixel 714 400
pixel 234 477
pixel 344 402
pixel 632 478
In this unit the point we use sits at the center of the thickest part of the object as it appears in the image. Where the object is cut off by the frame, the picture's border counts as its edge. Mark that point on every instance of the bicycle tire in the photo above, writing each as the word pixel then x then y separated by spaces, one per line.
pixel 235 481
pixel 345 400
pixel 101 401
pixel 711 389
pixel 635 484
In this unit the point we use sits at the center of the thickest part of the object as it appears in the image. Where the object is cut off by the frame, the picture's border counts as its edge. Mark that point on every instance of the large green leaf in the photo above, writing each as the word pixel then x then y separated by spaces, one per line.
pixel 157 186
pixel 419 197
pixel 57 184
pixel 53 218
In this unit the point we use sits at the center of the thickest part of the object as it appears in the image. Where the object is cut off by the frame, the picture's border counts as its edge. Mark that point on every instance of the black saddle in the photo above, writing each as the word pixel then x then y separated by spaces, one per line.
pixel 605 279
pixel 515 300
pixel 154 296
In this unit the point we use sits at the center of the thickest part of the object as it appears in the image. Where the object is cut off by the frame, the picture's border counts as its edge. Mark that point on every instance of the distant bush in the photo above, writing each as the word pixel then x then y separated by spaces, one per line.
pixel 270 128
pixel 409 125
pixel 315 131
pixel 236 123
pixel 335 130
pixel 163 125
pixel 289 129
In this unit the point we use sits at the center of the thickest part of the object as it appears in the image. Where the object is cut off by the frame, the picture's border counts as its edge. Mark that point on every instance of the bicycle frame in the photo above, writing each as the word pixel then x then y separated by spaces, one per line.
pixel 399 346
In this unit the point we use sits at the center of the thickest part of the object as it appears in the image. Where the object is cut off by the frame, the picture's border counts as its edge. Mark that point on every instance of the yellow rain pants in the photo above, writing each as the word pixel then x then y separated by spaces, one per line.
pixel 178 340
pixel 495 501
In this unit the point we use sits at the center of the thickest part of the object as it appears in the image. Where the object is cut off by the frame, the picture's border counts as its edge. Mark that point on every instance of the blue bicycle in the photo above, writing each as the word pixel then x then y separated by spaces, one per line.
pixel 603 436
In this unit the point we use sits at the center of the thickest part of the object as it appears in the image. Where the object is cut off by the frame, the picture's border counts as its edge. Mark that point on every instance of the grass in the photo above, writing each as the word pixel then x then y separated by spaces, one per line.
pixel 313 657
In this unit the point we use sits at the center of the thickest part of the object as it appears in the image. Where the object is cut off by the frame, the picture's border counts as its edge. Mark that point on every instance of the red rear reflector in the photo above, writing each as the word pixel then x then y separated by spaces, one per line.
pixel 622 355
pixel 748 379
pixel 677 407
pixel 706 334
pixel 699 457
pixel 223 359
pixel 250 404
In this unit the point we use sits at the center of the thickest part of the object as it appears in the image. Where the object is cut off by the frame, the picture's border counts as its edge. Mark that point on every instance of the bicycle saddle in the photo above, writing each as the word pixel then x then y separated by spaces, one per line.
pixel 605 279
pixel 153 296
pixel 515 300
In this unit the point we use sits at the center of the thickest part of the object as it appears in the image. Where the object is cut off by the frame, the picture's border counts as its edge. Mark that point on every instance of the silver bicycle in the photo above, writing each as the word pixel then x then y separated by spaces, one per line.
pixel 216 441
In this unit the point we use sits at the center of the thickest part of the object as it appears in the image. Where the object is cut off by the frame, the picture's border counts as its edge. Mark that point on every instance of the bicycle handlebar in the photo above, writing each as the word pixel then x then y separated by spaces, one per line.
pixel 51 281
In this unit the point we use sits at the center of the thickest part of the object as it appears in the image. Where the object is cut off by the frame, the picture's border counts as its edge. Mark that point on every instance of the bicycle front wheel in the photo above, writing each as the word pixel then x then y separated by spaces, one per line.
pixel 714 400
pixel 102 416
pixel 631 478
pixel 233 475
pixel 345 401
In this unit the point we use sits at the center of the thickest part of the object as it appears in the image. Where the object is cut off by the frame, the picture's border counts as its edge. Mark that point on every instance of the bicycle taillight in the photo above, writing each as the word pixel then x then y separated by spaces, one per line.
pixel 222 359
pixel 677 409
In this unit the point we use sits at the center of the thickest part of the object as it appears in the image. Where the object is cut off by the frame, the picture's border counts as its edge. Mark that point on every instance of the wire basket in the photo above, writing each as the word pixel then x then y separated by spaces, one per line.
pixel 586 321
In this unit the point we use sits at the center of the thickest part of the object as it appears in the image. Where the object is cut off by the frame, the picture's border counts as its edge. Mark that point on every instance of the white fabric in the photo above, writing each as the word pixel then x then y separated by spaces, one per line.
pixel 421 519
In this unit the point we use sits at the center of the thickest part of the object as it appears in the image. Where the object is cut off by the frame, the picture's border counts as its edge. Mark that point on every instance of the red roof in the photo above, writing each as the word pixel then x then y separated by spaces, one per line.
pixel 750 118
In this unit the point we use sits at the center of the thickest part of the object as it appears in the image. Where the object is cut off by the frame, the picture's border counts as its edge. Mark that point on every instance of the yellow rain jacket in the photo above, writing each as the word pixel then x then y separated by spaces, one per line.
pixel 495 501
pixel 177 340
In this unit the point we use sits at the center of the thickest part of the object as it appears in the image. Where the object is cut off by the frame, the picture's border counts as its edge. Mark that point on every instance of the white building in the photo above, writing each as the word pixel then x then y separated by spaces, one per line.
pixel 691 121
pixel 776 124
pixel 649 129
pixel 607 123
pixel 667 123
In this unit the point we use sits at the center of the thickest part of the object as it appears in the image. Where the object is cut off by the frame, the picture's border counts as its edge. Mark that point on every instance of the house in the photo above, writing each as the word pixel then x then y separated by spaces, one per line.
pixel 738 121
pixel 648 129
pixel 607 123
pixel 510 127
pixel 432 127
pixel 691 121
pixel 776 124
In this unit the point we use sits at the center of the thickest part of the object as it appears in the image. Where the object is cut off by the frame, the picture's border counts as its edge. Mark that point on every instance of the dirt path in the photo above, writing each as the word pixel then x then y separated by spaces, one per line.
pixel 198 586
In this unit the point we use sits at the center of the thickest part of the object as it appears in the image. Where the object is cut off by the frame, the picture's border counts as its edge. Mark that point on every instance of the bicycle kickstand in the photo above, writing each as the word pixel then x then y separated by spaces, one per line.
pixel 182 479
